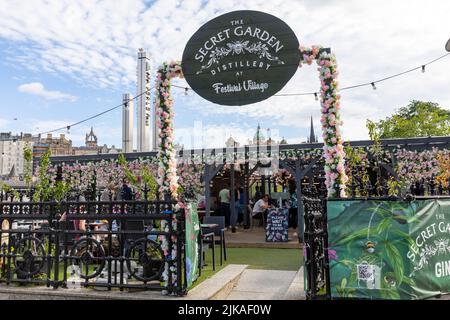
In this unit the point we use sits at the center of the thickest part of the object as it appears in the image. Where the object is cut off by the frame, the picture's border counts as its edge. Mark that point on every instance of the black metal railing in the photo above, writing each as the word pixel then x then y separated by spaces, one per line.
pixel 316 241
pixel 109 244
pixel 316 222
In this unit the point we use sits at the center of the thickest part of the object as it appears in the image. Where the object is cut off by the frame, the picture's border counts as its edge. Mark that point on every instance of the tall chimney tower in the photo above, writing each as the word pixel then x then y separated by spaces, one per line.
pixel 143 102
pixel 127 123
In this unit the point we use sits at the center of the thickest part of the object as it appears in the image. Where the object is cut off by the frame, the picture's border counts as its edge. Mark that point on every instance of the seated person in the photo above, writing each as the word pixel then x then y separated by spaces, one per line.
pixel 80 225
pixel 261 207
pixel 101 225
pixel 201 204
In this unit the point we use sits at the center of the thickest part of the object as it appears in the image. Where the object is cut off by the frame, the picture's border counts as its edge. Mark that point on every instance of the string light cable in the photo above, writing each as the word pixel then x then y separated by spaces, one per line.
pixel 315 94
pixel 68 127
pixel 371 83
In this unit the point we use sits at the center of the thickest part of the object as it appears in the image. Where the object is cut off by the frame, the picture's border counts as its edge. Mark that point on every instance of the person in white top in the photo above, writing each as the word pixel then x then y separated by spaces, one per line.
pixel 224 200
pixel 261 206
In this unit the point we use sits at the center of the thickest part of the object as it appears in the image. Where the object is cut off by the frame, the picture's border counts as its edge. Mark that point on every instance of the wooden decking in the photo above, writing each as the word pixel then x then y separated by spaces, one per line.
pixel 256 239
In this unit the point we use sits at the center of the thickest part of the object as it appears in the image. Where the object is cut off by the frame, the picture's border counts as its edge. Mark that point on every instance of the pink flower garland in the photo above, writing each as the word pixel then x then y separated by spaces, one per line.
pixel 334 154
pixel 167 163
pixel 167 166
pixel 413 166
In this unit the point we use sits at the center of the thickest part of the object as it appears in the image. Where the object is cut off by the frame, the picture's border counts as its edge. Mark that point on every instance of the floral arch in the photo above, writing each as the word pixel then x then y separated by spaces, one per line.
pixel 333 147
pixel 334 154
pixel 167 165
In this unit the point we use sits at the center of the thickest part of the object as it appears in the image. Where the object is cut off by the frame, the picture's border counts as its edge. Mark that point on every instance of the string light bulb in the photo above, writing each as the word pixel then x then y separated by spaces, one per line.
pixel 186 91
pixel 315 96
pixel 147 91
pixel 68 129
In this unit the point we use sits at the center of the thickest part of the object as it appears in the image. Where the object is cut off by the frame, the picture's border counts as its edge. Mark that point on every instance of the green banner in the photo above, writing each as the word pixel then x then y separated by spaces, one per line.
pixel 192 232
pixel 389 249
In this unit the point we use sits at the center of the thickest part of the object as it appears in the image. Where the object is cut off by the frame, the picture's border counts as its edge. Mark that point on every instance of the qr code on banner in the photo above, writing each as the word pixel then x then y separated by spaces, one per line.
pixel 365 272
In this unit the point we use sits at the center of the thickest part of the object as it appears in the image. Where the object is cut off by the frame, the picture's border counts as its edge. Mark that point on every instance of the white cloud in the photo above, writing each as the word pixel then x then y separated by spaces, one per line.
pixel 3 123
pixel 210 136
pixel 202 135
pixel 106 132
pixel 95 43
pixel 36 125
pixel 38 89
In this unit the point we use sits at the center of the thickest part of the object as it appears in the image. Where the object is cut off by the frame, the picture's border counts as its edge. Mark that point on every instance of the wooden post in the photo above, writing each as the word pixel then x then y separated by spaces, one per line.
pixel 300 213
pixel 207 190
pixel 232 195
pixel 247 214
pixel 263 184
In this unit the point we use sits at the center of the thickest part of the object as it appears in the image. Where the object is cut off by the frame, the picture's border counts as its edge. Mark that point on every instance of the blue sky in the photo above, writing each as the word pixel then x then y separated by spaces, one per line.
pixel 62 61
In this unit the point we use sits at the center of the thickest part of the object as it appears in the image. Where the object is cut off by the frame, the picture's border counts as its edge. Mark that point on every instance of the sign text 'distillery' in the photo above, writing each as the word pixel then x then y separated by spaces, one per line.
pixel 241 57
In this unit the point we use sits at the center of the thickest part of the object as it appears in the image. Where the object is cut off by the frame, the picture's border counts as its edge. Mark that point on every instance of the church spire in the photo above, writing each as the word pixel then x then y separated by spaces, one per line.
pixel 312 137
pixel 91 138
pixel 258 138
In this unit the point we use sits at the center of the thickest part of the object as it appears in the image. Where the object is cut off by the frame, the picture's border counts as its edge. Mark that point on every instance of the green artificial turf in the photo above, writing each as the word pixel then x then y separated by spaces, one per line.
pixel 256 258
pixel 264 258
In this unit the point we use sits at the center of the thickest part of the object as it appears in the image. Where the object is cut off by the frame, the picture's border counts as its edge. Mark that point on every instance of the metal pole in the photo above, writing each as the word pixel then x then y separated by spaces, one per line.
pixel 207 190
pixel 247 213
pixel 247 196
pixel 298 183
pixel 263 184
pixel 232 195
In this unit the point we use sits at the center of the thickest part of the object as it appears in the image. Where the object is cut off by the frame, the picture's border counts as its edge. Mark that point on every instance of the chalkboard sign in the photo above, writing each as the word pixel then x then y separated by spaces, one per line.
pixel 277 225
pixel 241 57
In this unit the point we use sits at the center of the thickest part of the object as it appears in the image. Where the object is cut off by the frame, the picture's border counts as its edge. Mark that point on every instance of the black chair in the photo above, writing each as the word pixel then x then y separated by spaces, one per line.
pixel 261 219
pixel 218 232
pixel 207 237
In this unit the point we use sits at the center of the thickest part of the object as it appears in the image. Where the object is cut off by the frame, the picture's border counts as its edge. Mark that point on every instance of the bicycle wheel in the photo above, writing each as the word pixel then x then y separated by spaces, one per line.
pixel 145 260
pixel 29 257
pixel 88 258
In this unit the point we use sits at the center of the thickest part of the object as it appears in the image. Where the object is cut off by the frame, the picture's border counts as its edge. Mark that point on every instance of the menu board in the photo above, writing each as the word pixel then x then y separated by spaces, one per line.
pixel 277 225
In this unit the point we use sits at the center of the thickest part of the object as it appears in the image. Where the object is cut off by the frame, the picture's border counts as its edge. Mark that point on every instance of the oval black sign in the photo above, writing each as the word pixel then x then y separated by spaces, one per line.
pixel 241 57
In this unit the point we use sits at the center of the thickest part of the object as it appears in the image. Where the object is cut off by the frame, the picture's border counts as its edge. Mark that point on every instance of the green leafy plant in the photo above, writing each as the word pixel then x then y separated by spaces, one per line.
pixel 8 189
pixel 375 136
pixel 393 187
pixel 128 174
pixel 444 164
pixel 356 164
pixel 43 187
pixel 147 178
pixel 376 149
pixel 60 189
pixel 28 165
pixel 417 119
